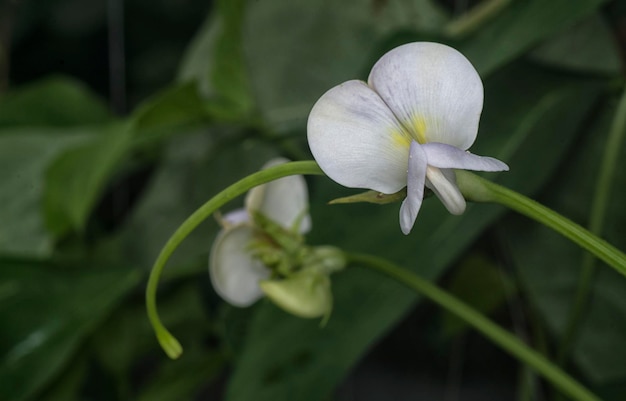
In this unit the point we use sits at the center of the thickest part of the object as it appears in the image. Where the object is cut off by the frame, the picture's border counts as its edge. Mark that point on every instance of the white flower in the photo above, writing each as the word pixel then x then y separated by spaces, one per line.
pixel 234 271
pixel 409 125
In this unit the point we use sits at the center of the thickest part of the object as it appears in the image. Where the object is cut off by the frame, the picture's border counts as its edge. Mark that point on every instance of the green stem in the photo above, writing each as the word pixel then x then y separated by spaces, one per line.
pixel 475 188
pixel 475 18
pixel 495 333
pixel 170 345
pixel 596 223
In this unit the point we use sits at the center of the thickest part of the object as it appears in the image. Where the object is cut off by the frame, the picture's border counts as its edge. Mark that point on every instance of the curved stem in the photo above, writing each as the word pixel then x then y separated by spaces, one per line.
pixel 596 222
pixel 170 345
pixel 477 189
pixel 495 333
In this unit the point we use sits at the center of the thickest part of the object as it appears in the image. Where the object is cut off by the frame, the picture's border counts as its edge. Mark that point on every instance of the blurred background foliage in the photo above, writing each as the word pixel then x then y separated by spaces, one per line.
pixel 119 118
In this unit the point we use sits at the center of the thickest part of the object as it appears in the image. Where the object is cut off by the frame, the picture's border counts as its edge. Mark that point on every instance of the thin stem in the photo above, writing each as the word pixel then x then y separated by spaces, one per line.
pixel 596 224
pixel 495 333
pixel 475 18
pixel 477 189
pixel 170 345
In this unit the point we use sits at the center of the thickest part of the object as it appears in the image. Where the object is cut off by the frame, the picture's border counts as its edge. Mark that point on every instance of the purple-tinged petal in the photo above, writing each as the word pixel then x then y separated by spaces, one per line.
pixel 415 188
pixel 446 156
pixel 235 217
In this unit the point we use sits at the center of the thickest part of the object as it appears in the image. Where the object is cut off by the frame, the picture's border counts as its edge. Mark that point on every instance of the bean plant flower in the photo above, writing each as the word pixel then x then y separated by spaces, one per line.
pixel 409 126
pixel 261 251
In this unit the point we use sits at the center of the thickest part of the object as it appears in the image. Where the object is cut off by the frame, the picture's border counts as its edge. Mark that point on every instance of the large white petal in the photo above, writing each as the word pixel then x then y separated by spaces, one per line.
pixel 284 200
pixel 234 273
pixel 357 141
pixel 415 188
pixel 433 90
pixel 446 156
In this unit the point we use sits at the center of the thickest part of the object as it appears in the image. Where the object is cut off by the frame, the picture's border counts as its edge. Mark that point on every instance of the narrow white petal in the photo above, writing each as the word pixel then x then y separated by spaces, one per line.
pixel 234 273
pixel 284 200
pixel 447 156
pixel 433 90
pixel 356 139
pixel 443 184
pixel 415 188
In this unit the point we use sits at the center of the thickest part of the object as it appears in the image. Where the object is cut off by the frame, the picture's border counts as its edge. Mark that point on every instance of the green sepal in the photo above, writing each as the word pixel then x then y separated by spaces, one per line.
pixel 371 197
pixel 286 239
pixel 305 294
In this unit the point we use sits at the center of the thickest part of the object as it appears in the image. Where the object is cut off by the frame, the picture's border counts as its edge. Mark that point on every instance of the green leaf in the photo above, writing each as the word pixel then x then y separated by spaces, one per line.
pixel 296 50
pixel 173 110
pixel 215 61
pixel 127 337
pixel 181 379
pixel 522 25
pixel 480 284
pixel 589 46
pixel 285 356
pixel 49 312
pixel 68 385
pixel 25 154
pixel 52 102
pixel 77 178
pixel 549 265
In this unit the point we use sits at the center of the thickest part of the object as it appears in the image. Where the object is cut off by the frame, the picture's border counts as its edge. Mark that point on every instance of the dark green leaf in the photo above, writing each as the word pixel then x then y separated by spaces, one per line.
pixel 68 385
pixel 173 110
pixel 480 284
pixel 49 312
pixel 127 337
pixel 522 25
pixel 76 179
pixel 215 61
pixel 25 154
pixel 52 102
pixel 182 379
pixel 589 46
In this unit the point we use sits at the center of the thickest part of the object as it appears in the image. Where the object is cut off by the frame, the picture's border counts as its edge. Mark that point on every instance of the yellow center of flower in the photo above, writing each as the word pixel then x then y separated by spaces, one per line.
pixel 418 129
pixel 414 130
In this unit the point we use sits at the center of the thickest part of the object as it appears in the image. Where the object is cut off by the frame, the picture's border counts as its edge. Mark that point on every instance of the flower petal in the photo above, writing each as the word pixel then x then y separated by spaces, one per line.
pixel 285 201
pixel 235 217
pixel 443 184
pixel 234 273
pixel 433 90
pixel 415 188
pixel 356 139
pixel 446 156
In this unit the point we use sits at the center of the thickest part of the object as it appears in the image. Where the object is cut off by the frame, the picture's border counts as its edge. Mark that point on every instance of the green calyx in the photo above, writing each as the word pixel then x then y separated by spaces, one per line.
pixel 299 282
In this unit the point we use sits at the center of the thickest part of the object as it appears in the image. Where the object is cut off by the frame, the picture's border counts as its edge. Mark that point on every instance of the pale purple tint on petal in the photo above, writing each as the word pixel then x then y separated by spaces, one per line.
pixel 446 156
pixel 235 217
pixel 415 188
